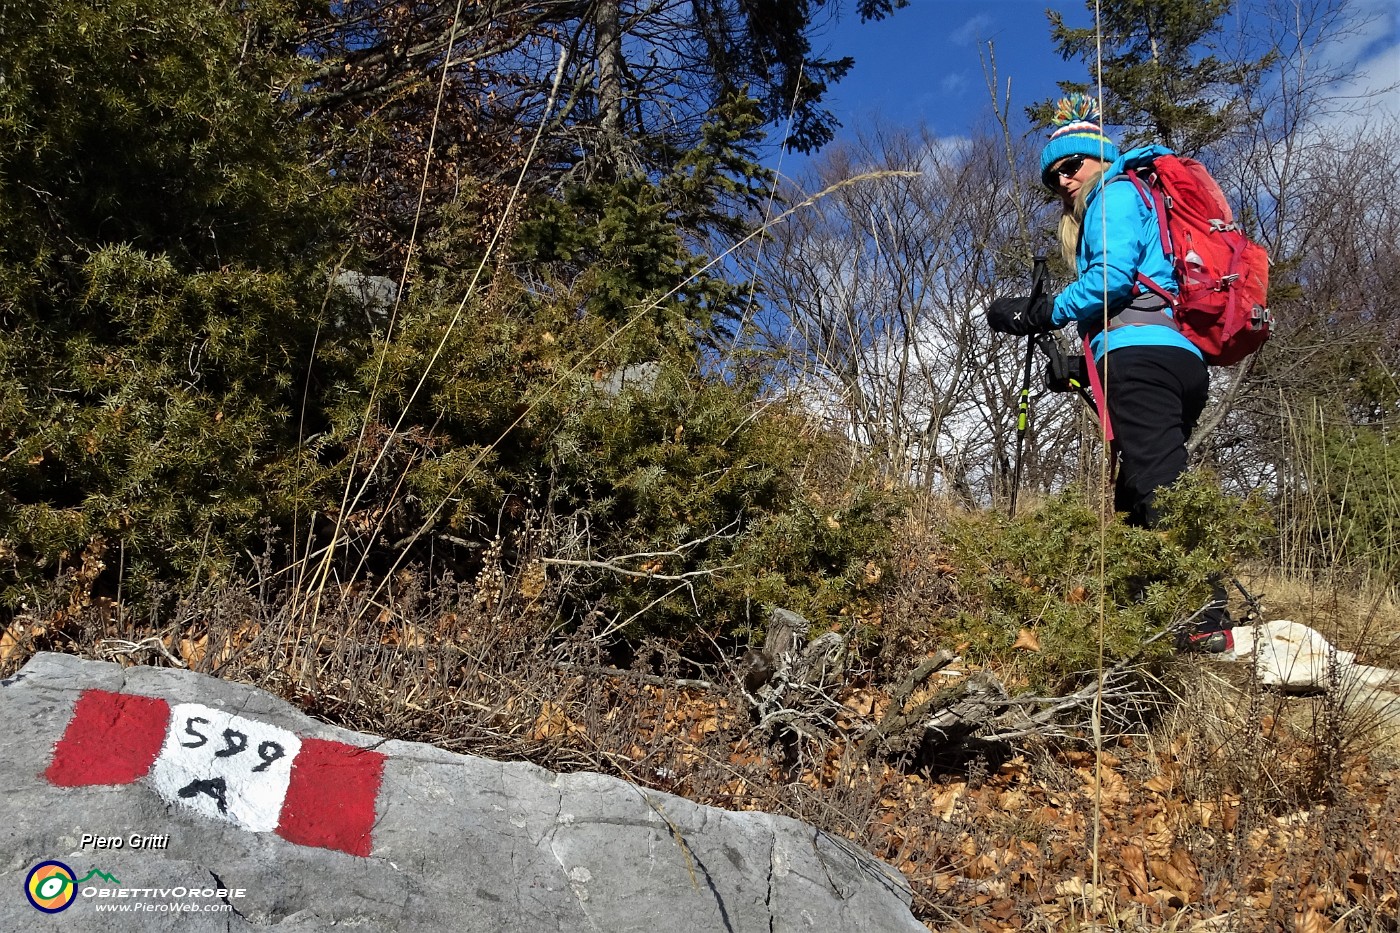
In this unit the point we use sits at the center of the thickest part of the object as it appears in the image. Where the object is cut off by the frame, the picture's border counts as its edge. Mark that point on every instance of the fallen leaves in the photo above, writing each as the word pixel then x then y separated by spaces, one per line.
pixel 13 638
pixel 1134 863
pixel 946 801
pixel 553 724
pixel 1311 921
pixel 1026 640
pixel 1178 874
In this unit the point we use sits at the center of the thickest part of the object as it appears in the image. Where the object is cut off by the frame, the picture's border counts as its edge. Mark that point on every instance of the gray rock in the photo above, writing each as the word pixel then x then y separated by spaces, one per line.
pixel 639 376
pixel 375 294
pixel 457 843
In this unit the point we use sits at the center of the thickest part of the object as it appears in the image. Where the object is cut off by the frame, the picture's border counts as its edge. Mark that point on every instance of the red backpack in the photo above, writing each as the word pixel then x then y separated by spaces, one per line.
pixel 1222 276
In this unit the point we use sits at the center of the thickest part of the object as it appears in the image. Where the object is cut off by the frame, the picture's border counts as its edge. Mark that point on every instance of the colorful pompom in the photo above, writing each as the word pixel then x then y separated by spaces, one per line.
pixel 1076 131
pixel 1076 108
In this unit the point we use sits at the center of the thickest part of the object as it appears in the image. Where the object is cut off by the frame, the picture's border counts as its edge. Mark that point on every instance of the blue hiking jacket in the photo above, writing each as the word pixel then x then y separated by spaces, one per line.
pixel 1119 239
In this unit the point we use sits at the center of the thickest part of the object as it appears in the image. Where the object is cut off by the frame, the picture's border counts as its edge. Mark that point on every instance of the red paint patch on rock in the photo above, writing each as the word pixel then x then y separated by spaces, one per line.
pixel 113 738
pixel 330 801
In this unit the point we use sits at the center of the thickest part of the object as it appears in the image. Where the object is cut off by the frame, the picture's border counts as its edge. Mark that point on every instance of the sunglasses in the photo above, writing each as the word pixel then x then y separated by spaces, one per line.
pixel 1068 168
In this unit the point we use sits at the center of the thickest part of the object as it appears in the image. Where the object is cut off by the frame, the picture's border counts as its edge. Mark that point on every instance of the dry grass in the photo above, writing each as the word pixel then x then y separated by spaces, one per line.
pixel 1355 615
pixel 1241 810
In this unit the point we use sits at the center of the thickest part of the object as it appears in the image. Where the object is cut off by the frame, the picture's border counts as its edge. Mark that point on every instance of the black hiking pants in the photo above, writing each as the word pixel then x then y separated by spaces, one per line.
pixel 1155 397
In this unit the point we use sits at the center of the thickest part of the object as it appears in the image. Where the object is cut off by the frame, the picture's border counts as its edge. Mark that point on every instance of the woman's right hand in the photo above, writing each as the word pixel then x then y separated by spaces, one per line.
pixel 1021 316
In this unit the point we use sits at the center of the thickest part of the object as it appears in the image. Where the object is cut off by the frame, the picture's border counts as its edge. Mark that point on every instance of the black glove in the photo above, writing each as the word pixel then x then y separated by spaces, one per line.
pixel 1021 316
pixel 1064 372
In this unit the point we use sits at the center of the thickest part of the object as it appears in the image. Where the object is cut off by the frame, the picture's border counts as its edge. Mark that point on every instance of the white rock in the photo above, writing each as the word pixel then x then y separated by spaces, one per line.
pixel 1292 655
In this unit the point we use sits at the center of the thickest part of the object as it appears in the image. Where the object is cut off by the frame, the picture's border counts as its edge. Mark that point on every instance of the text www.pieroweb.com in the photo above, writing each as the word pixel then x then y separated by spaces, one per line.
pixel 173 908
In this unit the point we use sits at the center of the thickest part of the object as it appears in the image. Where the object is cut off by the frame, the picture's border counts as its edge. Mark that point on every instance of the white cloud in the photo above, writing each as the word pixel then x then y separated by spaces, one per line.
pixel 1377 86
pixel 972 31
pixel 952 84
pixel 1370 54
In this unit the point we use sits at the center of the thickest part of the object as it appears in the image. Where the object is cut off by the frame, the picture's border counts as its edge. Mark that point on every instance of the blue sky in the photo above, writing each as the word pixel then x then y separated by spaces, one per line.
pixel 922 63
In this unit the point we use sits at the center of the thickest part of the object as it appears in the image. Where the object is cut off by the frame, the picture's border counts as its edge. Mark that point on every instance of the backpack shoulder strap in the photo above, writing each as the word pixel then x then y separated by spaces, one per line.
pixel 1141 186
pixel 1159 210
pixel 1156 205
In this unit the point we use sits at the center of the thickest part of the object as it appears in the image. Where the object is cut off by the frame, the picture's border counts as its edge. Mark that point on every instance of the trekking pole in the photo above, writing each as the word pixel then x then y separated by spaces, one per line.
pixel 1023 409
pixel 1256 608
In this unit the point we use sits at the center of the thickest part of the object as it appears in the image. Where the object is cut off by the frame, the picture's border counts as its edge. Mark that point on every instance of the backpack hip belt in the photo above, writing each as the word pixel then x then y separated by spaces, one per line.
pixel 1146 308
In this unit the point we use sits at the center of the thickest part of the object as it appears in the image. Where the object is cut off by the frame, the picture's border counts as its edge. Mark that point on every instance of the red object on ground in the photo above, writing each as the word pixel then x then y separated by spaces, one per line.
pixel 330 801
pixel 113 738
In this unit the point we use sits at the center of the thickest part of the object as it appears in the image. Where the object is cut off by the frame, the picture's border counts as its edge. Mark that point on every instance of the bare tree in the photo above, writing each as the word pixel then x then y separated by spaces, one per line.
pixel 1312 165
pixel 877 296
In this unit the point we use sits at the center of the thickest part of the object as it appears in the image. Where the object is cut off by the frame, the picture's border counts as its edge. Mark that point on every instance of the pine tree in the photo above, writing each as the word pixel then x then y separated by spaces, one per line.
pixel 1160 77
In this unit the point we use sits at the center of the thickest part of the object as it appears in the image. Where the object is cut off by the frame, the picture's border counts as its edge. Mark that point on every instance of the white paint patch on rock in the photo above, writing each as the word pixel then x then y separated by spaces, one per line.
pixel 225 766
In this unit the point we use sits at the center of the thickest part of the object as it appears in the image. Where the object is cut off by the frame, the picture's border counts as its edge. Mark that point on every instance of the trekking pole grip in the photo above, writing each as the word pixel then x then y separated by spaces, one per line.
pixel 1037 278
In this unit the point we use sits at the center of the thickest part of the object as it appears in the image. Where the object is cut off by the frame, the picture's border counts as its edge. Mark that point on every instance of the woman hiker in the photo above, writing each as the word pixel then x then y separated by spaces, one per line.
pixel 1155 378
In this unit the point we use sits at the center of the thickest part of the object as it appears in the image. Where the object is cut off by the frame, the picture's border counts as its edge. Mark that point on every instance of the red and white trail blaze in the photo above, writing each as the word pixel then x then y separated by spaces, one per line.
pixel 257 776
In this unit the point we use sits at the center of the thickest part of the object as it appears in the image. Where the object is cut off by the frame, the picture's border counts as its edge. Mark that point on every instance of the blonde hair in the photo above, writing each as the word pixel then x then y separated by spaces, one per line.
pixel 1072 220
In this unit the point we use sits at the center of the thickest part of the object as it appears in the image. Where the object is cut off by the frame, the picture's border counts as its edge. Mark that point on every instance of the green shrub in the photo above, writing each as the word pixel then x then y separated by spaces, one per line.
pixel 177 379
pixel 163 246
pixel 1048 570
pixel 703 460
pixel 690 485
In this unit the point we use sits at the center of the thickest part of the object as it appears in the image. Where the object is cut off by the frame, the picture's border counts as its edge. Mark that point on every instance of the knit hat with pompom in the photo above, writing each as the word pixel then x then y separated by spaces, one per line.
pixel 1077 132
